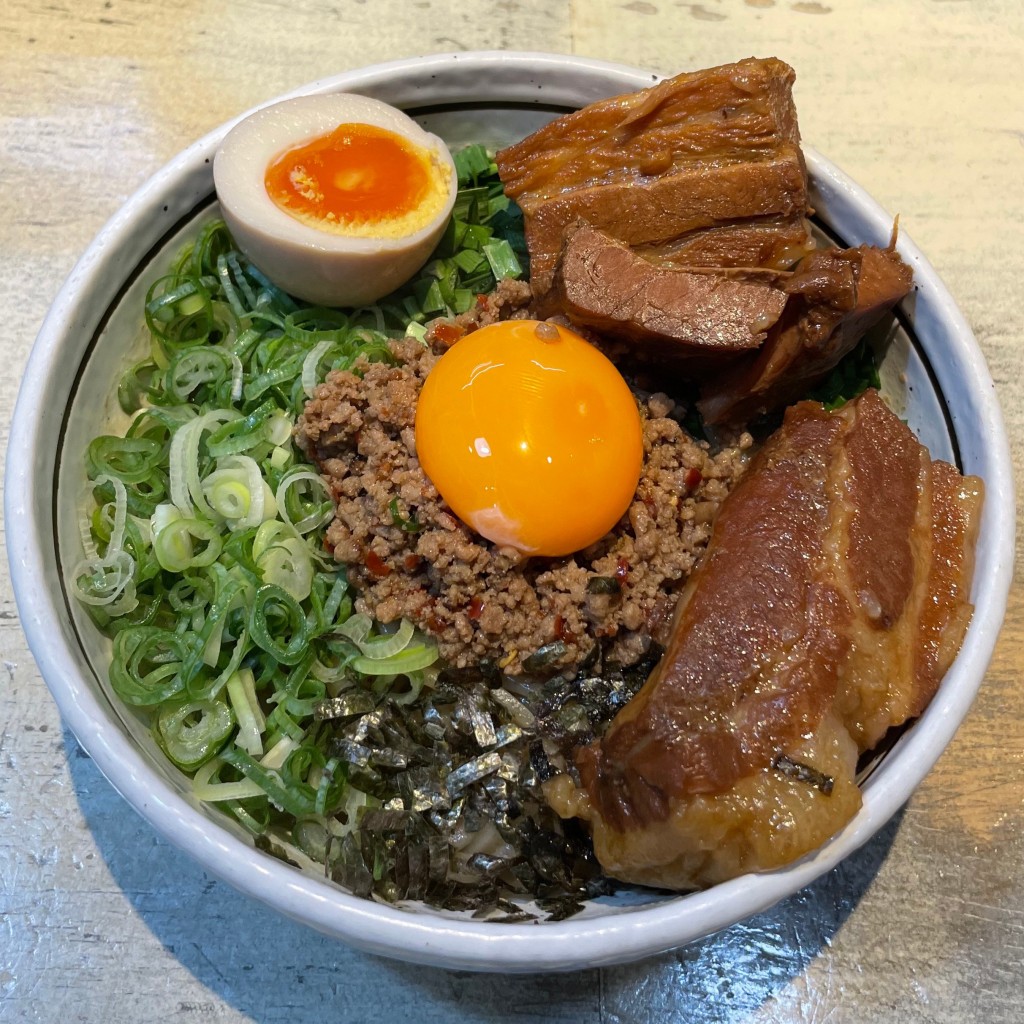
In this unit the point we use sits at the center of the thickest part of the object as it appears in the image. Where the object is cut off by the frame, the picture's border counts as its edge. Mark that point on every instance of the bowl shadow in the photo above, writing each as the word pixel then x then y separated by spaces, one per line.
pixel 274 970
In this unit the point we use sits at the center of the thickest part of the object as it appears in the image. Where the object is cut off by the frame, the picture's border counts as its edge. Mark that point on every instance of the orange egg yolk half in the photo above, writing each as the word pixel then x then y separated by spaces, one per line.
pixel 531 436
pixel 359 180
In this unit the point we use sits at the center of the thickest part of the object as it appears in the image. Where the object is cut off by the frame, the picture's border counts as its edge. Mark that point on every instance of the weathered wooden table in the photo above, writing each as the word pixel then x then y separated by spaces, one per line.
pixel 922 102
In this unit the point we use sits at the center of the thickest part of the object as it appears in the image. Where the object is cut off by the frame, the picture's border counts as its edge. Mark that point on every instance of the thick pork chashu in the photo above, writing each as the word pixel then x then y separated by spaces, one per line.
pixel 831 600
pixel 759 338
pixel 682 316
pixel 834 297
pixel 704 168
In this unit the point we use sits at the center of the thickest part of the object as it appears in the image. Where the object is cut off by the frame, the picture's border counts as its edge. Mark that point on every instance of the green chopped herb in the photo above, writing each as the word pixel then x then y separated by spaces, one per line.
pixel 473 162
pixel 409 524
pixel 854 374
pixel 502 259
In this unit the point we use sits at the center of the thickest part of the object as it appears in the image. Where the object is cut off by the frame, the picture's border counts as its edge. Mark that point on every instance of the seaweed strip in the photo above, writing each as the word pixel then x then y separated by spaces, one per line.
pixel 804 773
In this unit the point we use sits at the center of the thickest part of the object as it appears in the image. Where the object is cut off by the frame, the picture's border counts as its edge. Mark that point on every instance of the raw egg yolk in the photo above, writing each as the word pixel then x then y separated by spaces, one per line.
pixel 531 436
pixel 359 180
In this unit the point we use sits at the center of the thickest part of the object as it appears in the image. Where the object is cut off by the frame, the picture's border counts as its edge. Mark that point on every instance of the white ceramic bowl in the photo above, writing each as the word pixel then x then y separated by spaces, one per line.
pixel 934 372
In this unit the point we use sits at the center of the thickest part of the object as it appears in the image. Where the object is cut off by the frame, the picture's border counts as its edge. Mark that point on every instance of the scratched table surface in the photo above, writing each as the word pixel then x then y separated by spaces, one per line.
pixel 922 102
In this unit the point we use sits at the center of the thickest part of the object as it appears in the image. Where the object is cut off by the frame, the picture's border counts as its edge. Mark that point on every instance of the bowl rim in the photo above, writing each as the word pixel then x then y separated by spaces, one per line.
pixel 428 937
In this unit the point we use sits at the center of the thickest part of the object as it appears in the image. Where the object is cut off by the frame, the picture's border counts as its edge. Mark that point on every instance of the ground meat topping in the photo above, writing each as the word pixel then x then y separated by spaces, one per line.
pixel 478 600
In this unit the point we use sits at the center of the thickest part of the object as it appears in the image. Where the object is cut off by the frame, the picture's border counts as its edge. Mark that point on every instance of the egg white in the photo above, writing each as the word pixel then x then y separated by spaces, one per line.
pixel 319 266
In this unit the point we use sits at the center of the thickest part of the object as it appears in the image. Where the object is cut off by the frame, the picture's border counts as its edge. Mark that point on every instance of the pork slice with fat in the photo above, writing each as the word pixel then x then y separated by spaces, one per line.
pixel 835 297
pixel 689 155
pixel 678 315
pixel 825 611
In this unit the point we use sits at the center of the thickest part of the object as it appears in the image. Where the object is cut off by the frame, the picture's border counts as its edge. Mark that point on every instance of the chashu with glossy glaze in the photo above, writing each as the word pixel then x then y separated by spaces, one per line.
pixel 703 169
pixel 831 600
pixel 835 297
pixel 699 316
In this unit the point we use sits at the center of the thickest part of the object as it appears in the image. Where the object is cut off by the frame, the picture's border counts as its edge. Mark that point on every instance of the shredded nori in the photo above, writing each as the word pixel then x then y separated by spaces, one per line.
pixel 453 812
pixel 804 773
pixel 348 705
pixel 544 656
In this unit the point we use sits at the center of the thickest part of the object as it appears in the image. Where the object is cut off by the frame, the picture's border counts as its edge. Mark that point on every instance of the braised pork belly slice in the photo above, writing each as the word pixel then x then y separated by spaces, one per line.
pixel 765 821
pixel 835 297
pixel 691 154
pixel 674 315
pixel 773 242
pixel 830 602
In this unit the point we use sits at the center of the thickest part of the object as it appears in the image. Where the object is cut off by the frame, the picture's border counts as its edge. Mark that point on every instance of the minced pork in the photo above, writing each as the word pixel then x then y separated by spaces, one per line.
pixel 479 601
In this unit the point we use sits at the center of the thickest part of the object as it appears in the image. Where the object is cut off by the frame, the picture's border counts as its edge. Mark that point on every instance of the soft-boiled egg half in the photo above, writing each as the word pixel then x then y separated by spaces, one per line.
pixel 338 199
pixel 531 436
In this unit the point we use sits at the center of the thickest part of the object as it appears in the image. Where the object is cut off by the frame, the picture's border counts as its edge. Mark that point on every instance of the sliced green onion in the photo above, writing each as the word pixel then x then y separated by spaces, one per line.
pixel 279 427
pixel 101 581
pixel 311 836
pixel 278 625
pixel 176 547
pixel 241 690
pixel 325 784
pixel 128 459
pixel 471 162
pixel 192 368
pixel 240 278
pixel 469 262
pixel 192 732
pixel 279 721
pixel 237 492
pixel 275 758
pixel 186 485
pixel 357 629
pixel 410 525
pixel 280 458
pixel 297 799
pixel 242 433
pixel 311 365
pixel 287 564
pixel 146 666
pixel 202 530
pixel 206 788
pixel 334 598
pixel 253 815
pixel 417 680
pixel 141 380
pixel 410 660
pixel 270 533
pixel 116 541
pixel 388 646
pixel 303 500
